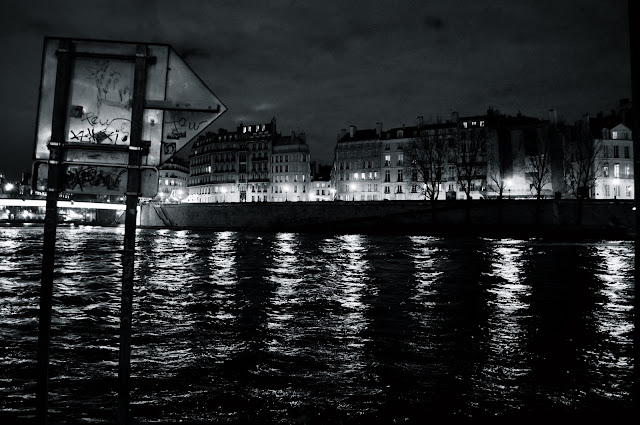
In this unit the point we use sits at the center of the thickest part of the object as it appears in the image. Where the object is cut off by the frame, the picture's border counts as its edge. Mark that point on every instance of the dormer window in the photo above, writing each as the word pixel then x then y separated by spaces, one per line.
pixel 400 134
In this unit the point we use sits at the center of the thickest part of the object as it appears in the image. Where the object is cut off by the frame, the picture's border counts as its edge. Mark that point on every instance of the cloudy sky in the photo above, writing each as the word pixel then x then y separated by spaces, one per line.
pixel 319 66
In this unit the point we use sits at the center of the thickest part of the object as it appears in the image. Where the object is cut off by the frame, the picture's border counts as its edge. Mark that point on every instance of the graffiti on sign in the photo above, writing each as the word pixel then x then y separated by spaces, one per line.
pixel 95 179
pixel 178 123
pixel 88 178
pixel 101 99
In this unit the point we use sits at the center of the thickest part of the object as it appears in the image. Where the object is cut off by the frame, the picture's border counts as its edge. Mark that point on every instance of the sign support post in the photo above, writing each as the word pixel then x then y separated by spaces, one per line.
pixel 50 226
pixel 94 110
pixel 128 256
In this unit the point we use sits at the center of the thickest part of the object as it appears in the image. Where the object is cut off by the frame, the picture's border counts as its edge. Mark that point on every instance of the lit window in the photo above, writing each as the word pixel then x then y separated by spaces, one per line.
pixel 387 160
pixel 616 171
pixel 464 124
pixel 628 192
pixel 627 171
pixel 481 123
pixel 363 176
pixel 605 171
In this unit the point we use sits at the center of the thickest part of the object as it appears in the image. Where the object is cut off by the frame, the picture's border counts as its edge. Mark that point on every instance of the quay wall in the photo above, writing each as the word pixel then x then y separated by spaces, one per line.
pixel 511 217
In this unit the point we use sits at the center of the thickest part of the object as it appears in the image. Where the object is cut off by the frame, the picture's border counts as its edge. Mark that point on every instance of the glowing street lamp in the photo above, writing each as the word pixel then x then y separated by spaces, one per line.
pixel 353 189
pixel 224 194
pixel 286 190
pixel 508 183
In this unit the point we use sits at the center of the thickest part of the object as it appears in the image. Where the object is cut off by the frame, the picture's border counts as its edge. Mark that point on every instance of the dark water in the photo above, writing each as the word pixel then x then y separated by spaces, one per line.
pixel 284 328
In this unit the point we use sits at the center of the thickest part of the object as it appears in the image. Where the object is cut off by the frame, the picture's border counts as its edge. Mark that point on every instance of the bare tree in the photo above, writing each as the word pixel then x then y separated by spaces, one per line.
pixel 469 158
pixel 582 168
pixel 426 156
pixel 539 165
pixel 498 173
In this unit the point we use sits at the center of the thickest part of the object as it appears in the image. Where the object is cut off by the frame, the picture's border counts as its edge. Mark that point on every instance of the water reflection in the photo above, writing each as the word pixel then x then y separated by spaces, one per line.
pixel 508 306
pixel 282 328
pixel 613 264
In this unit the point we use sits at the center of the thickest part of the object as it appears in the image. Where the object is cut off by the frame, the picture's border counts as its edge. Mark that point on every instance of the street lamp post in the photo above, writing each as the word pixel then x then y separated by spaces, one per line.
pixel 508 184
pixel 224 195
pixel 353 189
pixel 286 194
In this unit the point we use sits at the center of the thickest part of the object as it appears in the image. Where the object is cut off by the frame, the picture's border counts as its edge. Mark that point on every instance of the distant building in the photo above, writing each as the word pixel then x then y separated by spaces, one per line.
pixel 227 165
pixel 252 164
pixel 320 187
pixel 172 180
pixel 290 169
pixel 613 137
pixel 371 165
pixel 615 162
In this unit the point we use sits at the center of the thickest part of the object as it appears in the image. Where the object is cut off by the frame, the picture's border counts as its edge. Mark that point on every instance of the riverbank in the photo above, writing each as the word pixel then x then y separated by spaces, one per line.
pixel 507 218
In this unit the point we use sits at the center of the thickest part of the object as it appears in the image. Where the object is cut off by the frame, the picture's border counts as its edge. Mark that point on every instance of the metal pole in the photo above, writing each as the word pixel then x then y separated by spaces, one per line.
pixel 635 97
pixel 133 189
pixel 59 117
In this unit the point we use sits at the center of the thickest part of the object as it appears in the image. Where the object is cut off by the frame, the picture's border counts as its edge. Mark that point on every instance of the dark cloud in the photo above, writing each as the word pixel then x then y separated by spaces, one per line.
pixel 432 23
pixel 320 66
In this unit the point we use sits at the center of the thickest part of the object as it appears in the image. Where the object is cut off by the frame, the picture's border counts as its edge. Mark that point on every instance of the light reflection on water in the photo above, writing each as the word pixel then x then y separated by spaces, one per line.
pixel 279 328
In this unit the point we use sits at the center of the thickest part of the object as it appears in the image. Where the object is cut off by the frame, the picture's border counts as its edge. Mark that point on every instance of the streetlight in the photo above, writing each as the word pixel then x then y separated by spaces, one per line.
pixel 508 183
pixel 353 189
pixel 224 194
pixel 286 190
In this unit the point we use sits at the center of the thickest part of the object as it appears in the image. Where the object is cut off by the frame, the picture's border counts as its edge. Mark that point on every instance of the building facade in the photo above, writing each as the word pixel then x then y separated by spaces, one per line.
pixel 614 162
pixel 231 166
pixel 290 169
pixel 371 165
pixel 252 164
pixel 172 181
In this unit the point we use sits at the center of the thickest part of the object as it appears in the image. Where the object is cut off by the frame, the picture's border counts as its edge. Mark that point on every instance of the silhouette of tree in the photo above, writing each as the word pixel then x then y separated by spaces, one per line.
pixel 582 168
pixel 539 165
pixel 426 156
pixel 468 153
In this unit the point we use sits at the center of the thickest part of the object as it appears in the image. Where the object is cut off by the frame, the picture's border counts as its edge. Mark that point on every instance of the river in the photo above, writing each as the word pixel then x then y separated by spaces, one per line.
pixel 282 328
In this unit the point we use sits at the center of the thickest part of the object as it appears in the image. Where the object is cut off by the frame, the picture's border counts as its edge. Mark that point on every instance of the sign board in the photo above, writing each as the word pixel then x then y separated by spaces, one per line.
pixel 178 104
pixel 93 179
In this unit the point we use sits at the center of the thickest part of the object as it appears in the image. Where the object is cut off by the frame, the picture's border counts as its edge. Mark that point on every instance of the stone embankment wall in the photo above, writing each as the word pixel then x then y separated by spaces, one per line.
pixel 508 217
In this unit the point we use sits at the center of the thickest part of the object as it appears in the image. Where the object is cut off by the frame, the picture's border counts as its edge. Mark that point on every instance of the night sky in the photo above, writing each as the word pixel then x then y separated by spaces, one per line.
pixel 319 66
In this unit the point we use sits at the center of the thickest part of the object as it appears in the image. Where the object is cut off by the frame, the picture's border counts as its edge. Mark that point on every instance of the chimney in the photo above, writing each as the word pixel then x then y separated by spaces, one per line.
pixel 352 131
pixel 343 132
pixel 379 129
pixel 553 116
pixel 454 117
pixel 293 136
pixel 420 121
